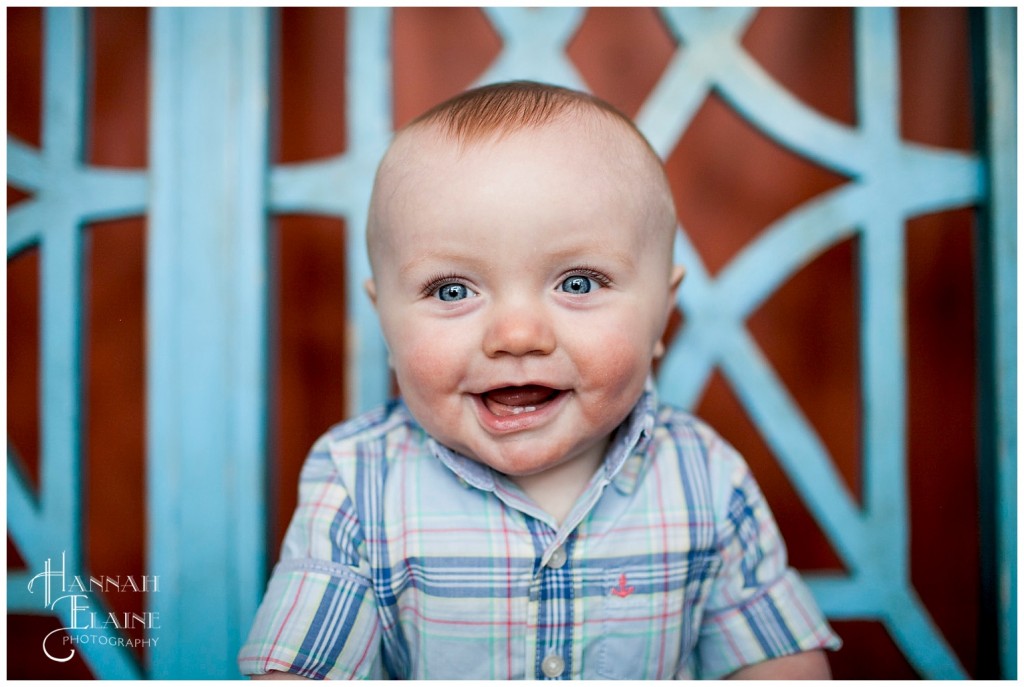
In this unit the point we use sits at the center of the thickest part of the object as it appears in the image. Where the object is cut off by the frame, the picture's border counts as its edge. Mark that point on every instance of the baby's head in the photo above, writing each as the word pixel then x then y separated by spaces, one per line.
pixel 520 237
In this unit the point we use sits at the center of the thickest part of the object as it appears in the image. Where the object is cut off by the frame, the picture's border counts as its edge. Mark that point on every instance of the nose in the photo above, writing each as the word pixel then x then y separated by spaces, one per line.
pixel 519 329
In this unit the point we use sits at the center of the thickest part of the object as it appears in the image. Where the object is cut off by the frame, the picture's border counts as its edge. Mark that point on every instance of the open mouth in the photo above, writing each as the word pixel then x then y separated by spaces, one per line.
pixel 516 400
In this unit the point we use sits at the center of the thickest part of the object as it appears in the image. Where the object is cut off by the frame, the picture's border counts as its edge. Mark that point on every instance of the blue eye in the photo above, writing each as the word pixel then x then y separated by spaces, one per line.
pixel 453 292
pixel 578 284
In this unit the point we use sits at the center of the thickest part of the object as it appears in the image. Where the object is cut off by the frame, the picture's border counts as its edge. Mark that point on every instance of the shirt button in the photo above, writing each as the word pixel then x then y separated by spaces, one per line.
pixel 552 666
pixel 557 559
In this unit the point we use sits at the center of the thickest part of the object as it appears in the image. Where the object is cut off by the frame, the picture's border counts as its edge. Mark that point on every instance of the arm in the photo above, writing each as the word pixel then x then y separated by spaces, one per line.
pixel 318 616
pixel 809 665
pixel 761 620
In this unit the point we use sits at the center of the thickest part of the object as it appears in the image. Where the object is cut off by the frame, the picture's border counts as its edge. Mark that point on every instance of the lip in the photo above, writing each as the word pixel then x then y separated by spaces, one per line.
pixel 508 424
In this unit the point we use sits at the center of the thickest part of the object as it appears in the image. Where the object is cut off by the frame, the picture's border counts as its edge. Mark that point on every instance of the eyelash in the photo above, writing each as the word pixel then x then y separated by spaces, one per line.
pixel 439 280
pixel 589 272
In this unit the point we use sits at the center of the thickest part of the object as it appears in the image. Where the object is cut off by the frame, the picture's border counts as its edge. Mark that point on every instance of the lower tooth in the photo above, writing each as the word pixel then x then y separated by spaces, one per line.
pixel 523 409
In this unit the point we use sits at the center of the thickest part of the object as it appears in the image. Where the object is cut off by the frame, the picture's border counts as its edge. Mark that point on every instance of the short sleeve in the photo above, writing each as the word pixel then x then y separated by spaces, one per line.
pixel 318 617
pixel 758 608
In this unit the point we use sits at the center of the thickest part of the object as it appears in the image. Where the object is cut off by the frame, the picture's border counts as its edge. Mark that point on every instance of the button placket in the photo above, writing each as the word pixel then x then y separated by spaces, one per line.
pixel 553 666
pixel 557 558
pixel 555 591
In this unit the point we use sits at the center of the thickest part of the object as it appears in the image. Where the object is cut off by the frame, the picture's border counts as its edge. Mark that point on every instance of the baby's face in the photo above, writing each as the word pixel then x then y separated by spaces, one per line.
pixel 522 294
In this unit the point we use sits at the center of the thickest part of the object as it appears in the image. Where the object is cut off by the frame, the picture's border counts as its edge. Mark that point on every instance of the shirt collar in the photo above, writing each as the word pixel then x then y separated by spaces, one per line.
pixel 627 454
pixel 623 461
pixel 467 470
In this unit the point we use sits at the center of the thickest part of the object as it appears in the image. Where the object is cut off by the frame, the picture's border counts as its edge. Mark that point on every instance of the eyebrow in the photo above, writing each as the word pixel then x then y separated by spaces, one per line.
pixel 620 259
pixel 581 254
pixel 428 256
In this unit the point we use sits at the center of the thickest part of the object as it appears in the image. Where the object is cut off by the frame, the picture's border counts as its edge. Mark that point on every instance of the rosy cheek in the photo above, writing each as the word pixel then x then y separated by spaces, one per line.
pixel 416 369
pixel 615 363
pixel 429 359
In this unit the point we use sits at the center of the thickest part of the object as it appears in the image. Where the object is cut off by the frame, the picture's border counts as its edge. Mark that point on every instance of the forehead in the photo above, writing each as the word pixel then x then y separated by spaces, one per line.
pixel 589 175
pixel 555 166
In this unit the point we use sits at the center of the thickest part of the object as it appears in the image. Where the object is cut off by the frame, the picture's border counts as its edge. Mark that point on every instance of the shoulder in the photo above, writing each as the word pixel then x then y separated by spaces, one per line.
pixel 381 436
pixel 706 458
pixel 369 425
pixel 690 433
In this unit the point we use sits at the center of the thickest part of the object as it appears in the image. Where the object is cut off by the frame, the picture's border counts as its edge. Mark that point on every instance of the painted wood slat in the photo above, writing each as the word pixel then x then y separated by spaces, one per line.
pixel 207 334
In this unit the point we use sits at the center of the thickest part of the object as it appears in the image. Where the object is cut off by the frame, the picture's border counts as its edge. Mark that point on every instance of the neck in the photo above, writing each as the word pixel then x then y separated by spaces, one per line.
pixel 556 489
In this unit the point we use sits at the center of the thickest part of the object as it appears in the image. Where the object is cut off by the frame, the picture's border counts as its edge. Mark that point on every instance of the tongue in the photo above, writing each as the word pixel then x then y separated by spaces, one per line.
pixel 513 400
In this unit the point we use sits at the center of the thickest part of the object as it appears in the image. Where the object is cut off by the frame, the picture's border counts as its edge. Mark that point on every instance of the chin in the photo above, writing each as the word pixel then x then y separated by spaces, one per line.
pixel 524 462
pixel 501 456
pixel 514 466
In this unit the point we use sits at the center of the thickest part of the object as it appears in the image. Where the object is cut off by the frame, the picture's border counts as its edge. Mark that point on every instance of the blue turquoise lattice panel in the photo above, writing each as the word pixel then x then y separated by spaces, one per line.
pixel 209 189
pixel 66 194
pixel 891 181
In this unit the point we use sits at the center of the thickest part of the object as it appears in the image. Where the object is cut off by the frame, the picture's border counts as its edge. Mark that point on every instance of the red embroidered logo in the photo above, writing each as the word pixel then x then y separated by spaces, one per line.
pixel 622 590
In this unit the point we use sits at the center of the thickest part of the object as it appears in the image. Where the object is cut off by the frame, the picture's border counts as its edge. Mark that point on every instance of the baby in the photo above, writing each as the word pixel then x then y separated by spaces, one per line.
pixel 528 509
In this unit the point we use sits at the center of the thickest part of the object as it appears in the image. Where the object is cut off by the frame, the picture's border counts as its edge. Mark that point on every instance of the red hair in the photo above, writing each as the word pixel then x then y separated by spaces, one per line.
pixel 511 106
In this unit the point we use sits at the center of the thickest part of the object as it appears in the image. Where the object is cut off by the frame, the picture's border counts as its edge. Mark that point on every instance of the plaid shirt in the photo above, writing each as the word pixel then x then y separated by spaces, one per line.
pixel 407 560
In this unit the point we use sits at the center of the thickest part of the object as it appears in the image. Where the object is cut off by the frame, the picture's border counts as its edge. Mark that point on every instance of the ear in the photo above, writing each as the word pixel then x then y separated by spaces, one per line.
pixel 371 291
pixel 675 279
pixel 678 272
